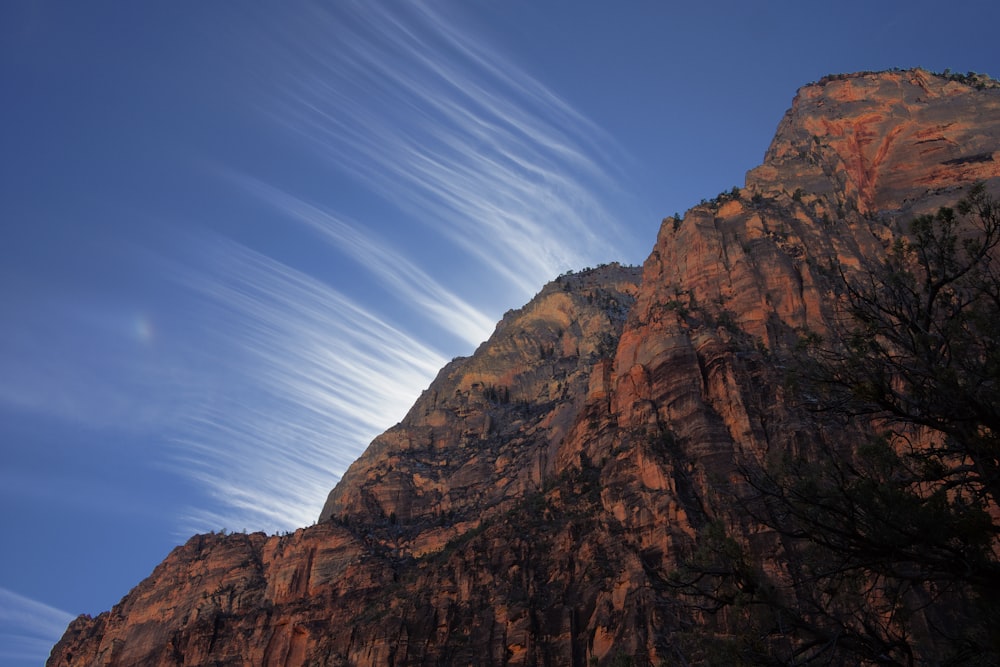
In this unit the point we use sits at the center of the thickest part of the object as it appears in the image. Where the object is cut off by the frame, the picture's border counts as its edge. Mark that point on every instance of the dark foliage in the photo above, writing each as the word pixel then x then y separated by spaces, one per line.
pixel 886 521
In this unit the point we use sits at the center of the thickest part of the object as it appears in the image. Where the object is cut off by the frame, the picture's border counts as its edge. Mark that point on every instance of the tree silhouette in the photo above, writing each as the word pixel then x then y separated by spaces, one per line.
pixel 887 520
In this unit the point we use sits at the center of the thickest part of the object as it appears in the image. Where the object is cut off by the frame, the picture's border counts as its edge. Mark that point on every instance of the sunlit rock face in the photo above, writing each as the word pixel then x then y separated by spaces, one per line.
pixel 881 142
pixel 531 505
pixel 488 429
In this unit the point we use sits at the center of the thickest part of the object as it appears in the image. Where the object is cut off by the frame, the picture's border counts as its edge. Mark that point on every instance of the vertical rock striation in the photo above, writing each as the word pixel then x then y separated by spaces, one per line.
pixel 530 507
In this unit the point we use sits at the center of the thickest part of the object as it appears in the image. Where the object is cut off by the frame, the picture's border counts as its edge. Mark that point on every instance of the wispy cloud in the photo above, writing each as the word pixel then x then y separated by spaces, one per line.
pixel 281 372
pixel 310 377
pixel 456 135
pixel 410 284
pixel 451 136
pixel 28 628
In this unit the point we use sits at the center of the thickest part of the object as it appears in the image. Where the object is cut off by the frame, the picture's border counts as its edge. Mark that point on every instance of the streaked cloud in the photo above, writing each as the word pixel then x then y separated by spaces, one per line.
pixel 28 628
pixel 410 284
pixel 457 135
pixel 268 376
pixel 308 377
pixel 453 138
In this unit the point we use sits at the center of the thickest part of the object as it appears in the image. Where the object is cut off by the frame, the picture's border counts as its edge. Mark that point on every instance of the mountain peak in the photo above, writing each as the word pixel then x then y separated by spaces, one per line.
pixel 880 141
pixel 532 505
pixel 478 424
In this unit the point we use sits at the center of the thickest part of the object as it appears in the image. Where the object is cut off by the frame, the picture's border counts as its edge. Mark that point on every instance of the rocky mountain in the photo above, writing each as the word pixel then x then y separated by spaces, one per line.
pixel 531 506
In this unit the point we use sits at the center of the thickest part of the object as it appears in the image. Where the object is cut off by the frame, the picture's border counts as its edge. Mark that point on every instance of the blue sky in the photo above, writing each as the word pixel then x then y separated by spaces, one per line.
pixel 239 238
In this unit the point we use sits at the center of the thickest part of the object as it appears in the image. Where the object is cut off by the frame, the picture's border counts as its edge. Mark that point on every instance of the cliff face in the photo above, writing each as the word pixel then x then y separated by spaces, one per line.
pixel 488 428
pixel 530 506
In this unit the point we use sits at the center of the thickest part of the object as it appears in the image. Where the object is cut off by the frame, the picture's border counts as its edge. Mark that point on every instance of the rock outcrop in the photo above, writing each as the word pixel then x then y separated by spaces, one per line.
pixel 530 507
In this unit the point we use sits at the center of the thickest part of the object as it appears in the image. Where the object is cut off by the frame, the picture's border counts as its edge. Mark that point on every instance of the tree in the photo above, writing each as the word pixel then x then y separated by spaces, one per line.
pixel 920 345
pixel 887 520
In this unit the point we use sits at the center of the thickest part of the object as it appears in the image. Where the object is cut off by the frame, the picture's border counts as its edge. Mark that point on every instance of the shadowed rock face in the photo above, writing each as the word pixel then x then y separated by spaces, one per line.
pixel 531 504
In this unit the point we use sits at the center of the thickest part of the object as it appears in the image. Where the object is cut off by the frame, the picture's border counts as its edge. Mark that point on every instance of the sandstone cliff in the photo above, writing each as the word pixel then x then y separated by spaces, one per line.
pixel 529 508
